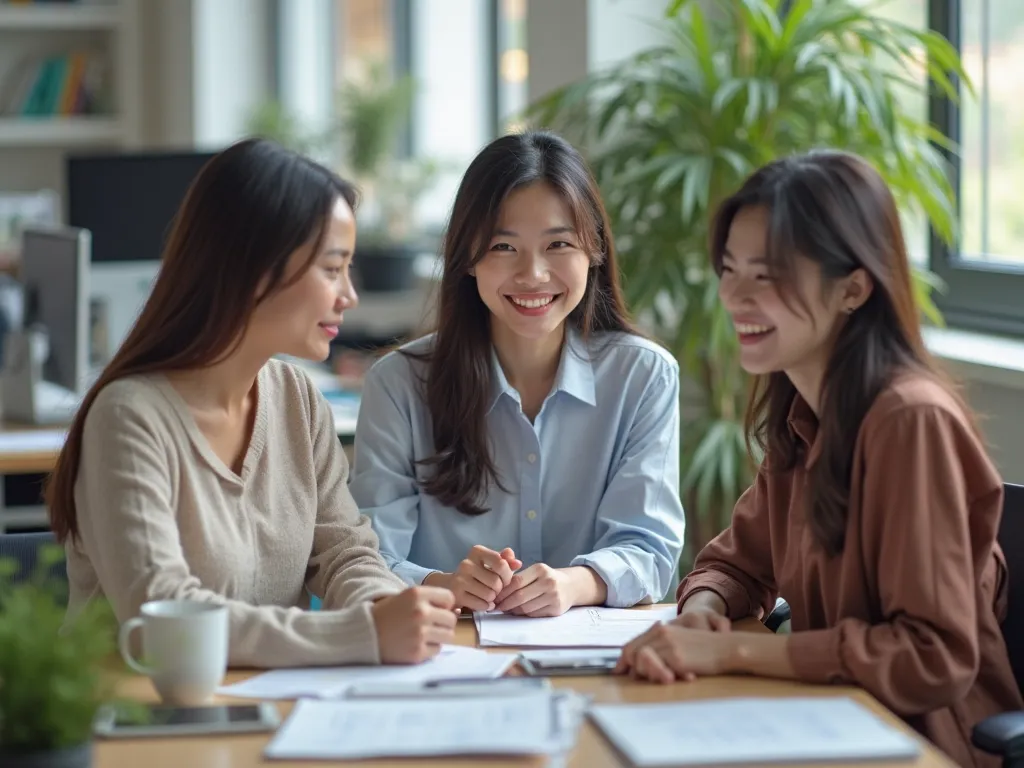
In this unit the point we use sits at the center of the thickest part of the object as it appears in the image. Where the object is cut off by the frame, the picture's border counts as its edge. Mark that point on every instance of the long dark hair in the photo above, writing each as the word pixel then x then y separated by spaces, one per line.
pixel 835 209
pixel 249 209
pixel 458 377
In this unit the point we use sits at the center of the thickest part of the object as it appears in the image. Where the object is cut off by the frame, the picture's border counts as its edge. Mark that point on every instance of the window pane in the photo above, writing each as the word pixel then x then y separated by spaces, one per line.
pixel 449 55
pixel 364 36
pixel 513 63
pixel 913 13
pixel 991 124
pixel 452 119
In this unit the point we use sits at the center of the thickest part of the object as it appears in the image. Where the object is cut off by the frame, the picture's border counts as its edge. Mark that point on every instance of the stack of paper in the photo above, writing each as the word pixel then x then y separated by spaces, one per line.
pixel 576 628
pixel 750 731
pixel 528 723
pixel 452 663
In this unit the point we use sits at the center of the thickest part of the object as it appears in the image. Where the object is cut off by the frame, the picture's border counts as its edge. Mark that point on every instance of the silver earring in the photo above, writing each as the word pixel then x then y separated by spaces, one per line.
pixel 850 310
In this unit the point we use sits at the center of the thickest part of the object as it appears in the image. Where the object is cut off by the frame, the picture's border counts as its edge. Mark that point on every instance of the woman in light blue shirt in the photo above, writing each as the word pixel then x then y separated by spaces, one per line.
pixel 526 455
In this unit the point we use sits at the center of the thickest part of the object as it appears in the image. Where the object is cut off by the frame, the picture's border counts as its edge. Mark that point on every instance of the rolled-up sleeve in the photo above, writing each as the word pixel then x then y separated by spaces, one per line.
pixel 383 481
pixel 640 521
pixel 737 564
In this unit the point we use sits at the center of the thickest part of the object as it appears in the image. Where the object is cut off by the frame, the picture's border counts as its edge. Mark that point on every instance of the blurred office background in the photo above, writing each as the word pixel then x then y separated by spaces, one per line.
pixel 108 107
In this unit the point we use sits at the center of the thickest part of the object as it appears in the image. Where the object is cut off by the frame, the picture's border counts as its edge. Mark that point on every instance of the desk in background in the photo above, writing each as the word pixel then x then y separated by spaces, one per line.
pixel 29 453
pixel 592 751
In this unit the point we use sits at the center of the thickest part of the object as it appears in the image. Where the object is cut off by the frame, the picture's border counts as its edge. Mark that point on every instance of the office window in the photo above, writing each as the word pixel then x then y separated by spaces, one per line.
pixel 452 58
pixel 513 64
pixel 985 273
pixel 913 13
pixel 992 132
pixel 364 33
pixel 447 46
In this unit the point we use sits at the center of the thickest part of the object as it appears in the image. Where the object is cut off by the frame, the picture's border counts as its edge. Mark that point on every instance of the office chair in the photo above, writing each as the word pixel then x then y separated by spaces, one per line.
pixel 1003 734
pixel 780 614
pixel 23 548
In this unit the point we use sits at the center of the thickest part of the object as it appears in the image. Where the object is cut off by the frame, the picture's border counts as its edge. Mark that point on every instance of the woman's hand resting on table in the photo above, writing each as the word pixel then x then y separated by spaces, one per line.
pixel 479 579
pixel 412 625
pixel 688 646
pixel 487 580
pixel 539 590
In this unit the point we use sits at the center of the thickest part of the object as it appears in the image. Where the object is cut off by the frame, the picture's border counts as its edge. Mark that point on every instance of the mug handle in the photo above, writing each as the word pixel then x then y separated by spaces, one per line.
pixel 123 642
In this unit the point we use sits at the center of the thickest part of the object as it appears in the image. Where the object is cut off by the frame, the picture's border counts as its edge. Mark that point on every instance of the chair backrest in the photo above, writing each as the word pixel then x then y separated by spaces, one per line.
pixel 1011 539
pixel 23 548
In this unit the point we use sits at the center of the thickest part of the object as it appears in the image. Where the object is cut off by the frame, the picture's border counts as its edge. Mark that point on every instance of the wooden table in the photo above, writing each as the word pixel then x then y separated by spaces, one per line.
pixel 31 461
pixel 592 751
pixel 27 462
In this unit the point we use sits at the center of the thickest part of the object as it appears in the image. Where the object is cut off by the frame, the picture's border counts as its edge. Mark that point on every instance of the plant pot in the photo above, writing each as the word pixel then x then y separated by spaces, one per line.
pixel 69 757
pixel 386 267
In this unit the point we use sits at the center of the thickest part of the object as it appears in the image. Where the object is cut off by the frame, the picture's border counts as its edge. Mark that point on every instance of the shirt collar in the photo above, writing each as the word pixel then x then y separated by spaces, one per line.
pixel 575 374
pixel 803 425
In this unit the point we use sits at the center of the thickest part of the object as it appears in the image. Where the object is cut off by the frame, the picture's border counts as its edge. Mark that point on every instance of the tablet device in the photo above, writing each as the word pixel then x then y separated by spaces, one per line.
pixel 164 721
pixel 569 663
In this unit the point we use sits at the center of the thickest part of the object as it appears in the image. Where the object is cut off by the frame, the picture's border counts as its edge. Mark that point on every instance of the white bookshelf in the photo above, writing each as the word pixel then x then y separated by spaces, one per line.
pixel 54 16
pixel 31 148
pixel 69 132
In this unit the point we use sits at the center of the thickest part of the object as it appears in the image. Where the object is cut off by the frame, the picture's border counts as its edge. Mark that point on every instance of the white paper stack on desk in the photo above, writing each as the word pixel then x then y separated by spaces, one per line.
pixel 452 663
pixel 751 731
pixel 594 627
pixel 528 720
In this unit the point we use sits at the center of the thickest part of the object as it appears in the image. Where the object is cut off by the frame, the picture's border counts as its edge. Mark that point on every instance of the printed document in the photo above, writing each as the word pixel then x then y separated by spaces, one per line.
pixel 750 731
pixel 590 627
pixel 452 663
pixel 524 724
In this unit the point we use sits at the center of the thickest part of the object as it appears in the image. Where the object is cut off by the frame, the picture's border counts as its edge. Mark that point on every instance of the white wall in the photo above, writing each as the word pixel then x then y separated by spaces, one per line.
pixel 450 116
pixel 232 67
pixel 306 63
pixel 998 401
pixel 557 43
pixel 617 29
pixel 167 73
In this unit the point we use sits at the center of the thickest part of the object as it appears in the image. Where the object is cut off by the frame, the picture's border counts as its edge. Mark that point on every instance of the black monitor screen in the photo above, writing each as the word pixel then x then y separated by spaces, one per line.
pixel 128 201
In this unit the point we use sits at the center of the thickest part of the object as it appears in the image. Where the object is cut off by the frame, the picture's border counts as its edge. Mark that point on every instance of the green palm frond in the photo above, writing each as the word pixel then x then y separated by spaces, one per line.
pixel 676 128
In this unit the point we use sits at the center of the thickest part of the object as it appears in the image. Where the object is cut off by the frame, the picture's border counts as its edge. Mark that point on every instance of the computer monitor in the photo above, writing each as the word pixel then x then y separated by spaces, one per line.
pixel 127 200
pixel 46 359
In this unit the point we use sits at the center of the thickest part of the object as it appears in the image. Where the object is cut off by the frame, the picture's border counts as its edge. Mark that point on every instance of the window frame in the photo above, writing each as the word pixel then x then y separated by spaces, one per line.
pixel 404 56
pixel 980 296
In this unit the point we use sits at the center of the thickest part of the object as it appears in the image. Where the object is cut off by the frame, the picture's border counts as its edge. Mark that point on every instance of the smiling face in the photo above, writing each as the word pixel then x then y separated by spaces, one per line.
pixel 534 272
pixel 796 338
pixel 301 320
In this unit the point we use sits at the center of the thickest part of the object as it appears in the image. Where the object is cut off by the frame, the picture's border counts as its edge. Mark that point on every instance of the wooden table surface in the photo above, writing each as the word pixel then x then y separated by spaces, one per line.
pixel 27 462
pixel 592 751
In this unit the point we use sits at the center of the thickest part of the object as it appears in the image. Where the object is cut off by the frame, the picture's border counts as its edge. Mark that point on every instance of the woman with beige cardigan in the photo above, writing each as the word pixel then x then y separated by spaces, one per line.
pixel 199 467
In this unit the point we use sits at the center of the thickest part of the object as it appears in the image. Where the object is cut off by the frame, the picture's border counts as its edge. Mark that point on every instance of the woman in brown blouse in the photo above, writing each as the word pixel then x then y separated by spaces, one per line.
pixel 876 508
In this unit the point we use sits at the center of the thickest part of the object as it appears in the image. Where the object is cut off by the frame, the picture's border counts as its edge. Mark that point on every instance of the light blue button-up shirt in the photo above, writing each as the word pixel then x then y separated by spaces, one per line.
pixel 594 481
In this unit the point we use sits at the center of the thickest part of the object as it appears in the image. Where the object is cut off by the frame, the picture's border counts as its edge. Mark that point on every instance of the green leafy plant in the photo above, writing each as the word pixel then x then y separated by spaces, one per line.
pixel 676 128
pixel 53 679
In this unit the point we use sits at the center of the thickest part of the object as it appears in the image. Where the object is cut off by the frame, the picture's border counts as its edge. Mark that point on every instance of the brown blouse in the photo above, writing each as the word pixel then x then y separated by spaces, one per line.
pixel 910 609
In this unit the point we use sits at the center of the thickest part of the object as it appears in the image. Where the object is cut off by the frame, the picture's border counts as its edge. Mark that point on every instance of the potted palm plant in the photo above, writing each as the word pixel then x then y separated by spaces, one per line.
pixel 362 140
pixel 52 679
pixel 674 129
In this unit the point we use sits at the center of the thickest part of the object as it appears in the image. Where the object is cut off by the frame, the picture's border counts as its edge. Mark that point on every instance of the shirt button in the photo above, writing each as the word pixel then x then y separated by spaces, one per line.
pixel 532 514
pixel 532 458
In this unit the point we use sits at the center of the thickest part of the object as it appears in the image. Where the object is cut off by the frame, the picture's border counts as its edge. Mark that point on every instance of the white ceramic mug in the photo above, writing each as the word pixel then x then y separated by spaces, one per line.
pixel 185 647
